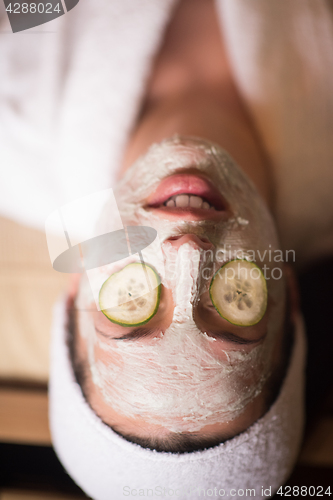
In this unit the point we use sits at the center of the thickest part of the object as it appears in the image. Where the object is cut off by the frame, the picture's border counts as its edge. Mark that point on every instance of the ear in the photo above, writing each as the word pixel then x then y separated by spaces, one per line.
pixel 293 290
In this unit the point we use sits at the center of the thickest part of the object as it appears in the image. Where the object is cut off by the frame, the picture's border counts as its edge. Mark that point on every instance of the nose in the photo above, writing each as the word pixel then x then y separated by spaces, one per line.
pixel 203 243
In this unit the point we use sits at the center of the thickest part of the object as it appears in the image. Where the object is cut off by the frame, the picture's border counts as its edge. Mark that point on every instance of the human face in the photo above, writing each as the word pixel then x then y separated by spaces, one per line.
pixel 187 369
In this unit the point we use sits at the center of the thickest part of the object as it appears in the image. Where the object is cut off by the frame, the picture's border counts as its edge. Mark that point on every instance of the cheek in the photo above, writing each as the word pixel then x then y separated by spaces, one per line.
pixel 217 349
pixel 246 367
pixel 109 358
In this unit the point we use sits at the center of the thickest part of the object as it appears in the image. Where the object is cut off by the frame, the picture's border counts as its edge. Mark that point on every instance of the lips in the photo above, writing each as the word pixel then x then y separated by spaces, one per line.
pixel 180 186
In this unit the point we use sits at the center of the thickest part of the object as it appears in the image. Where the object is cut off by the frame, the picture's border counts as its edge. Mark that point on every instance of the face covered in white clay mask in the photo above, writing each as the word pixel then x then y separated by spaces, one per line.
pixel 187 368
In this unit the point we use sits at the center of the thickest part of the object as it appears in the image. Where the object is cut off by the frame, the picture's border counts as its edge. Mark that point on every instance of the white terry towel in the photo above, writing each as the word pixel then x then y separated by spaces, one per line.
pixel 69 97
pixel 106 466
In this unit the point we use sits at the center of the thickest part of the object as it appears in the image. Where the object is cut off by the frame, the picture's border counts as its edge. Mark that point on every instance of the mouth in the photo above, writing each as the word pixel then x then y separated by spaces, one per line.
pixel 189 196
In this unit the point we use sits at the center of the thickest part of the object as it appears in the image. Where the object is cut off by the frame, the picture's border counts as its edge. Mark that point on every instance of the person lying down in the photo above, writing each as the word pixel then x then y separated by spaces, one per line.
pixel 192 385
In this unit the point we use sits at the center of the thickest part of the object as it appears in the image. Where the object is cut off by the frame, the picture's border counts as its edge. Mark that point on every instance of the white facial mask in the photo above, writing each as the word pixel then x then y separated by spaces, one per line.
pixel 181 379
pixel 177 380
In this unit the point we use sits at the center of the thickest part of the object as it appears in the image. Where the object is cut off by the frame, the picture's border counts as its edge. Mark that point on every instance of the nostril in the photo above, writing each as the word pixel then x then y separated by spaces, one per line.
pixel 205 240
pixel 177 241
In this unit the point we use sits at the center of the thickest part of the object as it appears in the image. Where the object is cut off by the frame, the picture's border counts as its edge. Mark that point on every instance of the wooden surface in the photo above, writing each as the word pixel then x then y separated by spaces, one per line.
pixel 24 416
pixel 29 288
pixel 34 495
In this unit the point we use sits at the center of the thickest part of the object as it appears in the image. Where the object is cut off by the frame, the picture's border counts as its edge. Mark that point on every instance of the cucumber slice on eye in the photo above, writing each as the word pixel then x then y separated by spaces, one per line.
pixel 131 296
pixel 238 291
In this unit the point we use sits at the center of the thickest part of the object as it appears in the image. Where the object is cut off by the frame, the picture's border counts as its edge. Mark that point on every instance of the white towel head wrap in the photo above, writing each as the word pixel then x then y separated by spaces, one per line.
pixel 106 466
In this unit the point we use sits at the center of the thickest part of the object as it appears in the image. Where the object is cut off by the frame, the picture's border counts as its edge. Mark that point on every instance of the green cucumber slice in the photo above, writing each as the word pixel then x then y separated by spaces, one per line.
pixel 131 296
pixel 238 291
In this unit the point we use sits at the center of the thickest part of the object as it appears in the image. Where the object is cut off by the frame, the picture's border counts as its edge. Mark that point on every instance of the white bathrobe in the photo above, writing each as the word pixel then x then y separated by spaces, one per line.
pixel 70 91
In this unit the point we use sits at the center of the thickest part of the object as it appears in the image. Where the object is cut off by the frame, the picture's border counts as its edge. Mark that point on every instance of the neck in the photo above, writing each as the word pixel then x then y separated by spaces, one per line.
pixel 192 92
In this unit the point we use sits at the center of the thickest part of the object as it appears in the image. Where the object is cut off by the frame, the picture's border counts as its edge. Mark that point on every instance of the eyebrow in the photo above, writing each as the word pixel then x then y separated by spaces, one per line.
pixel 139 333
pixel 136 334
pixel 236 339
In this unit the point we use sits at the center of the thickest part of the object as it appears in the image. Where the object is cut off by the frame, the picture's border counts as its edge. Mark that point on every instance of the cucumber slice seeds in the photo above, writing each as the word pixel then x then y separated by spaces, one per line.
pixel 238 292
pixel 131 296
